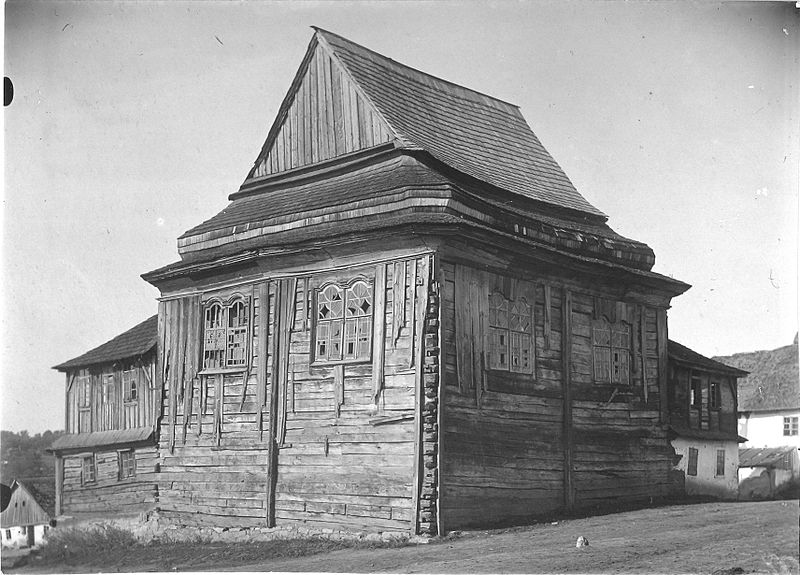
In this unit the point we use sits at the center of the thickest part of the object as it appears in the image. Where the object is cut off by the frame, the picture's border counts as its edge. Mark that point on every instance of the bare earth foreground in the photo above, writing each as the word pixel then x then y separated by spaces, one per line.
pixel 726 538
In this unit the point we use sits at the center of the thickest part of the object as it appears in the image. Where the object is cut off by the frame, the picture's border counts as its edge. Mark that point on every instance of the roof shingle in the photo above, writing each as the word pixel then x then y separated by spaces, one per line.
pixel 136 341
pixel 476 134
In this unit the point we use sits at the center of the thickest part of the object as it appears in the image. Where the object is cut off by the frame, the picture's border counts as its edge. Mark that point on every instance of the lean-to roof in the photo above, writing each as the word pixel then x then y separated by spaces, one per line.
pixel 95 439
pixel 775 457
pixel 136 341
pixel 773 382
pixel 683 354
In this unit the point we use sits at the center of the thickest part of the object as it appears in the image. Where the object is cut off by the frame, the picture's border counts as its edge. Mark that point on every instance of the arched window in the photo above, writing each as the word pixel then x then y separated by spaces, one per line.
pixel 611 343
pixel 510 334
pixel 226 334
pixel 344 322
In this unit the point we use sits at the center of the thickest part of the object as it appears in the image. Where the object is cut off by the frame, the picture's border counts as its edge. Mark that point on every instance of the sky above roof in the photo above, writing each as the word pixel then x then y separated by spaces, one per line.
pixel 132 122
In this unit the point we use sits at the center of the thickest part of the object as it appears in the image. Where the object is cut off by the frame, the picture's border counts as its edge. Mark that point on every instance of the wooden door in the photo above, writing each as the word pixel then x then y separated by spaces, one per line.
pixel 30 529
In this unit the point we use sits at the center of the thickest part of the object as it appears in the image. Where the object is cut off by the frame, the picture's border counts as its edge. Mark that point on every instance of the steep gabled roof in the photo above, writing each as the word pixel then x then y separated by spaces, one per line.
pixel 478 135
pixel 683 354
pixel 773 382
pixel 136 341
pixel 23 508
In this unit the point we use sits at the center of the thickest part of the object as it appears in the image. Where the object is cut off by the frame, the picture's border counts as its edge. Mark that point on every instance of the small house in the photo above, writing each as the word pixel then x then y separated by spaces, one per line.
pixel 768 472
pixel 703 422
pixel 407 319
pixel 769 397
pixel 25 521
pixel 107 460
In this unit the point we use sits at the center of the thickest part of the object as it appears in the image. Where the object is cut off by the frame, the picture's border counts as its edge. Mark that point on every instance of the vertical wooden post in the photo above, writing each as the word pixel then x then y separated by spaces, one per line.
pixel 566 360
pixel 379 337
pixel 548 303
pixel 272 455
pixel 661 318
pixel 59 483
pixel 437 275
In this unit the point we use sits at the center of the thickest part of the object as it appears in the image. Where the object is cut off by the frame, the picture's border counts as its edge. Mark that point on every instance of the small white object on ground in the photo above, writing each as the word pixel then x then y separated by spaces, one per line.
pixel 582 542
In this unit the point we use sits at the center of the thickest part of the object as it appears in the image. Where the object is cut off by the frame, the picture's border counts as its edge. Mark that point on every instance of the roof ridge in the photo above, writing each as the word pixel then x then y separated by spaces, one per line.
pixel 415 70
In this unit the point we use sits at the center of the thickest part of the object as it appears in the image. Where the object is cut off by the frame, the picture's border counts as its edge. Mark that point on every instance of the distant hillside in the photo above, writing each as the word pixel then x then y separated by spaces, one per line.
pixel 23 457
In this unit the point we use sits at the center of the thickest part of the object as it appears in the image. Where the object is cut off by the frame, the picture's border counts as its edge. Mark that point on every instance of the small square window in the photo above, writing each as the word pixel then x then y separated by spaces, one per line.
pixel 790 425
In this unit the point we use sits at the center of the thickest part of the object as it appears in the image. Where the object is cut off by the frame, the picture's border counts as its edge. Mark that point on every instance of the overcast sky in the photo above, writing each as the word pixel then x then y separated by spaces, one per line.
pixel 133 121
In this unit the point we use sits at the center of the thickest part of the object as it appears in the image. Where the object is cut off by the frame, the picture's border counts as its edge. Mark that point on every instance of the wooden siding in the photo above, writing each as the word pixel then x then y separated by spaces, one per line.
pixel 115 413
pixel 109 494
pixel 512 447
pixel 704 418
pixel 327 116
pixel 341 437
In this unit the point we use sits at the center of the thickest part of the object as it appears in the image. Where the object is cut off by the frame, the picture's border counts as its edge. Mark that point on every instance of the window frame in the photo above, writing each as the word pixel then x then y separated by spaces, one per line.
pixel 126 456
pixel 92 467
pixel 611 377
pixel 791 426
pixel 692 461
pixel 127 397
pixel 720 469
pixel 695 392
pixel 714 395
pixel 224 333
pixel 346 322
pixel 8 533
pixel 502 332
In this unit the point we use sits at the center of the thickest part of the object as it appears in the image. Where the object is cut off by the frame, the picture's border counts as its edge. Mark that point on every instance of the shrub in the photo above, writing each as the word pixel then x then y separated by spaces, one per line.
pixel 72 545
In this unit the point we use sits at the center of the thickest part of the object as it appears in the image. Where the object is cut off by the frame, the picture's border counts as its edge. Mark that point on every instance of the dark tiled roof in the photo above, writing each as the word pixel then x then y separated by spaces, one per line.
pixel 777 457
pixel 681 353
pixel 773 382
pixel 476 134
pixel 101 438
pixel 136 341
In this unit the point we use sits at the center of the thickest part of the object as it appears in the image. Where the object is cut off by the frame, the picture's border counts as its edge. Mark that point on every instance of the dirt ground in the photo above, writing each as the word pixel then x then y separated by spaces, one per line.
pixel 720 538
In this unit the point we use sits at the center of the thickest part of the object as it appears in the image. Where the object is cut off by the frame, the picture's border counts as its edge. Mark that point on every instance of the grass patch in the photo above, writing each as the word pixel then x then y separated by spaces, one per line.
pixel 114 549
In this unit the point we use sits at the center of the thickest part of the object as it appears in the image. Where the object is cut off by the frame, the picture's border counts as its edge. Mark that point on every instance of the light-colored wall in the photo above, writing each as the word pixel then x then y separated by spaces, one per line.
pixel 19 536
pixel 706 482
pixel 765 429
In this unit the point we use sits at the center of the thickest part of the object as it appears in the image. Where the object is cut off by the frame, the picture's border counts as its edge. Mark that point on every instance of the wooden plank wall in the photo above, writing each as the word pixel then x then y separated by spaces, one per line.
pixel 344 460
pixel 512 448
pixel 116 414
pixel 328 117
pixel 109 494
pixel 722 419
pixel 355 469
pixel 212 440
pixel 502 454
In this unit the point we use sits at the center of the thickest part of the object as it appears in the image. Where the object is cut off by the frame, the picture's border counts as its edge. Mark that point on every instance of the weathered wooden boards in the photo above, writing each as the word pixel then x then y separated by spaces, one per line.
pixel 96 398
pixel 325 115
pixel 108 493
pixel 326 443
pixel 519 446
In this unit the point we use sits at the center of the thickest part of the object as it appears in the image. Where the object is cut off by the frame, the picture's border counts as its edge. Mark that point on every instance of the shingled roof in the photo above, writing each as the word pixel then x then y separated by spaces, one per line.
pixel 476 134
pixel 136 341
pixel 774 381
pixel 683 354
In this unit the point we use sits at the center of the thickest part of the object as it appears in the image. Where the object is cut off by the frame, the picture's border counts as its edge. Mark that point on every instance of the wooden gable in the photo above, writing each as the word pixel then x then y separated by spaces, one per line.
pixel 324 115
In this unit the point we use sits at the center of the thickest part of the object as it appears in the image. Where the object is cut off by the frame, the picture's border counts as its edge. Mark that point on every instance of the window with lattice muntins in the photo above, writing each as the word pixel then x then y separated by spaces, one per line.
pixel 226 335
pixel 344 322
pixel 129 390
pixel 510 335
pixel 611 350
